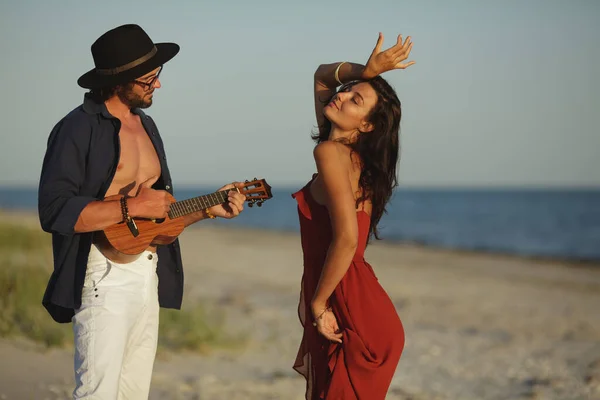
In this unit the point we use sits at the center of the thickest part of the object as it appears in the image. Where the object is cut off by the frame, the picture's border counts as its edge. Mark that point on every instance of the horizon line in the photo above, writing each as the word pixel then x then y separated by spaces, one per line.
pixel 412 186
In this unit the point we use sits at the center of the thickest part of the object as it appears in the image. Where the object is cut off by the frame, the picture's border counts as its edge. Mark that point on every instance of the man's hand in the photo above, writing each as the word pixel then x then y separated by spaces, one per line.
pixel 387 60
pixel 234 205
pixel 150 203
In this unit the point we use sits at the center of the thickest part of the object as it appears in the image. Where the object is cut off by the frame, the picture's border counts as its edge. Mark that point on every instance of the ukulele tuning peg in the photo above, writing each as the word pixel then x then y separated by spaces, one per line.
pixel 251 204
pixel 254 179
pixel 259 203
pixel 246 181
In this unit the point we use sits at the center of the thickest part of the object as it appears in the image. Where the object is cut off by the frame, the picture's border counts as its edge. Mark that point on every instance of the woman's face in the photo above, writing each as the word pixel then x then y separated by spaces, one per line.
pixel 349 110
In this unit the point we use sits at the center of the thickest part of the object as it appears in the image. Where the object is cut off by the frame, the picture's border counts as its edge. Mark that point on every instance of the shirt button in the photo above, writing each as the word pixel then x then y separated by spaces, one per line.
pixel 167 187
pixel 149 256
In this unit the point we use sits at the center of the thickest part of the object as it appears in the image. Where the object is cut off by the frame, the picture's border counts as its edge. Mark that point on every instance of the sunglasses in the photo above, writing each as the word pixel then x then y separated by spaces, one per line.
pixel 149 84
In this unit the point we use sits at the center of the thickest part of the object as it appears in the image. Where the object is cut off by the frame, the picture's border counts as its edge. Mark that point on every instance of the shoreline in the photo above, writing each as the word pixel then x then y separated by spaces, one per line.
pixel 405 244
pixel 31 219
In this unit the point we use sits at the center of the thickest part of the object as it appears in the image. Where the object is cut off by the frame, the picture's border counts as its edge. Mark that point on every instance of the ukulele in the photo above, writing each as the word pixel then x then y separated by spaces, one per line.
pixel 125 241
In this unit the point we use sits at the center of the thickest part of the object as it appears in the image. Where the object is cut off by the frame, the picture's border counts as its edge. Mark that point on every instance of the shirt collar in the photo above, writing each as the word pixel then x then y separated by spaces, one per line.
pixel 90 106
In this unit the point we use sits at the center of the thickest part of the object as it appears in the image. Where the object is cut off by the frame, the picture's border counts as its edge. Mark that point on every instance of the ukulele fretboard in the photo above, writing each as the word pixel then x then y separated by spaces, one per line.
pixel 195 204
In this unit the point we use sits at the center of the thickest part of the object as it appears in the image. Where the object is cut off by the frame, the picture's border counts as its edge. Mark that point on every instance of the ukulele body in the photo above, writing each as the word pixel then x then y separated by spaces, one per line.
pixel 118 244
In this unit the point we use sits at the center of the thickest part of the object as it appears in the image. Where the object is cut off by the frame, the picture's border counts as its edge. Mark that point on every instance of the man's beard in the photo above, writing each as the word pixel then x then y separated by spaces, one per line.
pixel 132 99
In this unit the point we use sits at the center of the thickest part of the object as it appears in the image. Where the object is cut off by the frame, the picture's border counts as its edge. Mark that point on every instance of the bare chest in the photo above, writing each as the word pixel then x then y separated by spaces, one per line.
pixel 138 161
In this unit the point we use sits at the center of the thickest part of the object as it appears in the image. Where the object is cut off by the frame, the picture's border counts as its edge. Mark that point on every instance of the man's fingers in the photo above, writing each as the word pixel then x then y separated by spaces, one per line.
pixel 238 198
pixel 146 184
pixel 234 208
pixel 235 203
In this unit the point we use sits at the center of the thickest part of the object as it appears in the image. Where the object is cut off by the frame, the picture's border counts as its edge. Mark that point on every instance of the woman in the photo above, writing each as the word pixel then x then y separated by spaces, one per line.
pixel 353 337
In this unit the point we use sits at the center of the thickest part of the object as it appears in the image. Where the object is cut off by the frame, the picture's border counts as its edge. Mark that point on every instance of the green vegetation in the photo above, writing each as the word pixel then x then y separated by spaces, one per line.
pixel 26 264
pixel 194 328
pixel 26 256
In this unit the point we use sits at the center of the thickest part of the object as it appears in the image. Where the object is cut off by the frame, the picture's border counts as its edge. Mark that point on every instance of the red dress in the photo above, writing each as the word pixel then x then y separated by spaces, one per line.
pixel 363 365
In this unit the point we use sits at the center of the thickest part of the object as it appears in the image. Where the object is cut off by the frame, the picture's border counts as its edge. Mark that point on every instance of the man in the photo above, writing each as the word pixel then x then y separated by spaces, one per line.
pixel 108 146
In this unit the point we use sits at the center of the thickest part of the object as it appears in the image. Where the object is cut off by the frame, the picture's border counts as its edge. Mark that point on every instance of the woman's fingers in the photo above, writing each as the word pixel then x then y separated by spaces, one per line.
pixel 379 43
pixel 334 337
pixel 404 65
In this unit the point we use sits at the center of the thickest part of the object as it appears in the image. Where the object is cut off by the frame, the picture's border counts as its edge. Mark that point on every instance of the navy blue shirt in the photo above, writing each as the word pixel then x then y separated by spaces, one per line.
pixel 80 162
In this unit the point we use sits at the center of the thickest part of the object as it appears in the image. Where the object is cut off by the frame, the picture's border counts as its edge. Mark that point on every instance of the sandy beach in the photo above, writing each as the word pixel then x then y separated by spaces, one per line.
pixel 478 326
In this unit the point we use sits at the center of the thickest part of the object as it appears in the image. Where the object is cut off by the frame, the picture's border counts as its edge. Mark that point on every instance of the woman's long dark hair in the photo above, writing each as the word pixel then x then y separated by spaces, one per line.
pixel 378 150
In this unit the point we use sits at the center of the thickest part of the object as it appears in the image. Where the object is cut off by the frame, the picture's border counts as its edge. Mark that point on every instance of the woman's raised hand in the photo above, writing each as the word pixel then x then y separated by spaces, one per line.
pixel 387 60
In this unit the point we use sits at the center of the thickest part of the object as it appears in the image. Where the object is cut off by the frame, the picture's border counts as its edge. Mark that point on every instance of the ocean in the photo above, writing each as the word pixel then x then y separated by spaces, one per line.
pixel 548 223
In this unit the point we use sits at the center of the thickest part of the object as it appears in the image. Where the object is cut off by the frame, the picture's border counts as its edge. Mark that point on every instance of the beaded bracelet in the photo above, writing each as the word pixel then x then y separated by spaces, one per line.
pixel 127 218
pixel 208 214
pixel 124 209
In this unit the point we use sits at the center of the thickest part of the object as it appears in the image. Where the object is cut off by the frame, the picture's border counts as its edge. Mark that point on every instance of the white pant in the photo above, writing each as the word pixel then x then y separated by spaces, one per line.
pixel 116 329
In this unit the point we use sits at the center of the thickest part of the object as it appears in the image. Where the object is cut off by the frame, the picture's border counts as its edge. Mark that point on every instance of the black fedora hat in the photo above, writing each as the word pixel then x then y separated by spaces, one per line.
pixel 124 54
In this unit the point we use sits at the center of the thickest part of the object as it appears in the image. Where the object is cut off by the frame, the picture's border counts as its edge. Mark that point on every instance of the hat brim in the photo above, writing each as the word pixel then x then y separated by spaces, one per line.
pixel 93 80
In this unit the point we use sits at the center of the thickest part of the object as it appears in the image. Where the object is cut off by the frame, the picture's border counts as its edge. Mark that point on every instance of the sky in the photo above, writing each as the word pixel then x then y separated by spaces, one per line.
pixel 503 93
